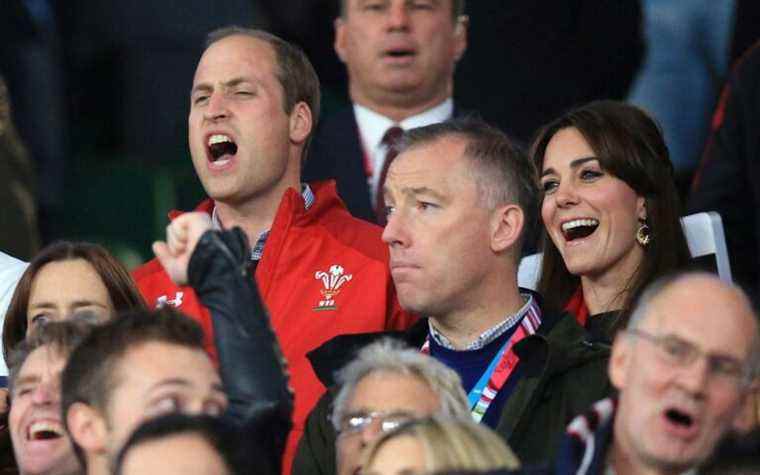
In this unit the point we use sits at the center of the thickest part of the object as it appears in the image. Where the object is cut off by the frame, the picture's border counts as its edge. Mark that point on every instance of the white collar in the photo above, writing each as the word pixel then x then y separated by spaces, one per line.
pixel 372 126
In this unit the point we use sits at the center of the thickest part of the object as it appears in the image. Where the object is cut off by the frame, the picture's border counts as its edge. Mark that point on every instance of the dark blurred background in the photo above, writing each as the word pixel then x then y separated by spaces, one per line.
pixel 99 91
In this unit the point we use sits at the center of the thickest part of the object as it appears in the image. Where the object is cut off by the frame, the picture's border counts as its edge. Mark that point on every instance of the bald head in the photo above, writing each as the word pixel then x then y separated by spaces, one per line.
pixel 700 295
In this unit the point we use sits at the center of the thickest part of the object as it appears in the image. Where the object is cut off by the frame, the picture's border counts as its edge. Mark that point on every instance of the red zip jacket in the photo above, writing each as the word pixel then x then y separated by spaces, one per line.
pixel 323 273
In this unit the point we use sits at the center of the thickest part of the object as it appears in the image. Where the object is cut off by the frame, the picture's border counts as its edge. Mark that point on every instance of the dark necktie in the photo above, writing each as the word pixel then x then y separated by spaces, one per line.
pixel 390 140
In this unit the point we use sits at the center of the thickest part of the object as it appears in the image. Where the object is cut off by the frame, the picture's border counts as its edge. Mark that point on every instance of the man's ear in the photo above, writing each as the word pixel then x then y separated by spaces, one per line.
pixel 507 223
pixel 619 361
pixel 300 123
pixel 748 416
pixel 340 38
pixel 87 428
pixel 460 36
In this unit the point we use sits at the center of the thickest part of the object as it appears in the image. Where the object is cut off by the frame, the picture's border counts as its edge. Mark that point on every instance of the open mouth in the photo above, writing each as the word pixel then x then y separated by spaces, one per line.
pixel 679 418
pixel 579 228
pixel 400 53
pixel 221 148
pixel 44 430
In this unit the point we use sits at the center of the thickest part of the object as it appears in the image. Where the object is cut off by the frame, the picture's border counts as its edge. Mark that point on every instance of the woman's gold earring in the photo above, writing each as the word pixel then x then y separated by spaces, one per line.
pixel 644 235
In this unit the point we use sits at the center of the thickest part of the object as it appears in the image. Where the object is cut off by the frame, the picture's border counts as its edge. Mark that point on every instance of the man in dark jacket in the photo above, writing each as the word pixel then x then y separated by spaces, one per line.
pixel 683 376
pixel 459 199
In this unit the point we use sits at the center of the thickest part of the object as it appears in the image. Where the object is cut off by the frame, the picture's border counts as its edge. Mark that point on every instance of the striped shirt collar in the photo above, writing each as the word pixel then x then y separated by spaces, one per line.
pixel 258 249
pixel 492 333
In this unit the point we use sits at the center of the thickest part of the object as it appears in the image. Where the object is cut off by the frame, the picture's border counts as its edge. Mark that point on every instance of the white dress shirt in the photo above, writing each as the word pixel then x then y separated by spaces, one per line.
pixel 372 128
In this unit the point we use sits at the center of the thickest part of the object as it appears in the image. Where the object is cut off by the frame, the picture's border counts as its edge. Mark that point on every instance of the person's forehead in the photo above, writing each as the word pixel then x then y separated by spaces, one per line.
pixel 567 145
pixel 448 5
pixel 43 360
pixel 403 454
pixel 234 55
pixel 706 312
pixel 152 361
pixel 62 269
pixel 440 159
pixel 390 391
pixel 68 281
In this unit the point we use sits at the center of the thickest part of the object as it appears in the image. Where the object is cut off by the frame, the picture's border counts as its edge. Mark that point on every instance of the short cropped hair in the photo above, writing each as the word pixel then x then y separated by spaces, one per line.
pixel 91 374
pixel 392 356
pixel 502 171
pixel 457 8
pixel 62 337
pixel 217 432
pixel 295 73
pixel 452 445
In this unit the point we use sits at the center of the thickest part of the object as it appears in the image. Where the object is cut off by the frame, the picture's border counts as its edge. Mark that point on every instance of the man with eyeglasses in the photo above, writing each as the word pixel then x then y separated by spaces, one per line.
pixel 684 368
pixel 386 385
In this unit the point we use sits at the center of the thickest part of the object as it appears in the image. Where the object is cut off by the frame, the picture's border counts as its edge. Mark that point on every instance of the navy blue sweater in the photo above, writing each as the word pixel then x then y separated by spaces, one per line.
pixel 471 364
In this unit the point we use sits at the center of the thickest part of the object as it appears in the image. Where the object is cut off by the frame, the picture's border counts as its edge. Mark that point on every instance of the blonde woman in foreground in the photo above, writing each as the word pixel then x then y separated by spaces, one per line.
pixel 436 444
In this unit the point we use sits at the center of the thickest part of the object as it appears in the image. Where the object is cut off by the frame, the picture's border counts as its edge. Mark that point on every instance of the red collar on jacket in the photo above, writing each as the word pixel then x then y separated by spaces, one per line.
pixel 577 306
pixel 292 203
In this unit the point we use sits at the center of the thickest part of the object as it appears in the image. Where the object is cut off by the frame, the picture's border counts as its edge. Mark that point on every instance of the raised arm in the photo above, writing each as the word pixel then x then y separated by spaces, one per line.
pixel 216 265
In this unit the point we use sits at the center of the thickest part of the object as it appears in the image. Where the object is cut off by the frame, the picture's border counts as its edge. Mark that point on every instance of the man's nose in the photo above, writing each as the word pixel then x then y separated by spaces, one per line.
pixel 398 16
pixel 371 432
pixel 695 376
pixel 217 107
pixel 395 232
pixel 46 393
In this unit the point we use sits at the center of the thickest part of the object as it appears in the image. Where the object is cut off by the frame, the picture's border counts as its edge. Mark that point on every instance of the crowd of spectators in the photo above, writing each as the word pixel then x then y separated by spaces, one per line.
pixel 344 299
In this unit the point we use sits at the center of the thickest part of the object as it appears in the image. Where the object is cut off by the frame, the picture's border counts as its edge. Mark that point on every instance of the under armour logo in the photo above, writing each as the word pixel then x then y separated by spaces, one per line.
pixel 163 300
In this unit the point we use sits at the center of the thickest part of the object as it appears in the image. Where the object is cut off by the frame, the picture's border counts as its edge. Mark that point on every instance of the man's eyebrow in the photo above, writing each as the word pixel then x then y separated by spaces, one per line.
pixel 202 87
pixel 574 164
pixel 31 378
pixel 238 81
pixel 423 190
pixel 234 82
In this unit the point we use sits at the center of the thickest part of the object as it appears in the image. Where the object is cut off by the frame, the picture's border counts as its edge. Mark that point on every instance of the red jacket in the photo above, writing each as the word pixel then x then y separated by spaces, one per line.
pixel 323 273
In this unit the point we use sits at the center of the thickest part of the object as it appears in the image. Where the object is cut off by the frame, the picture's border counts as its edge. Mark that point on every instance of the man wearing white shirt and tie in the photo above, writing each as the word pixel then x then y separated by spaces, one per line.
pixel 400 58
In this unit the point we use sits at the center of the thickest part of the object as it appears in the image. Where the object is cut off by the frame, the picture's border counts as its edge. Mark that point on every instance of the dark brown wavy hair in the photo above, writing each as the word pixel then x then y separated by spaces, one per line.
pixel 629 144
pixel 121 288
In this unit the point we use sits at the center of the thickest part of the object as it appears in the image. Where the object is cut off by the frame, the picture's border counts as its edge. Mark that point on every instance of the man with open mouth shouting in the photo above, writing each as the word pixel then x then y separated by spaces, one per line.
pixel 400 58
pixel 40 442
pixel 684 367
pixel 253 105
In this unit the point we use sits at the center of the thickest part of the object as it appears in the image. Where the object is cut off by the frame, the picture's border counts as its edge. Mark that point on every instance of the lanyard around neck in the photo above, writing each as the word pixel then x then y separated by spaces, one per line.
pixel 501 367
